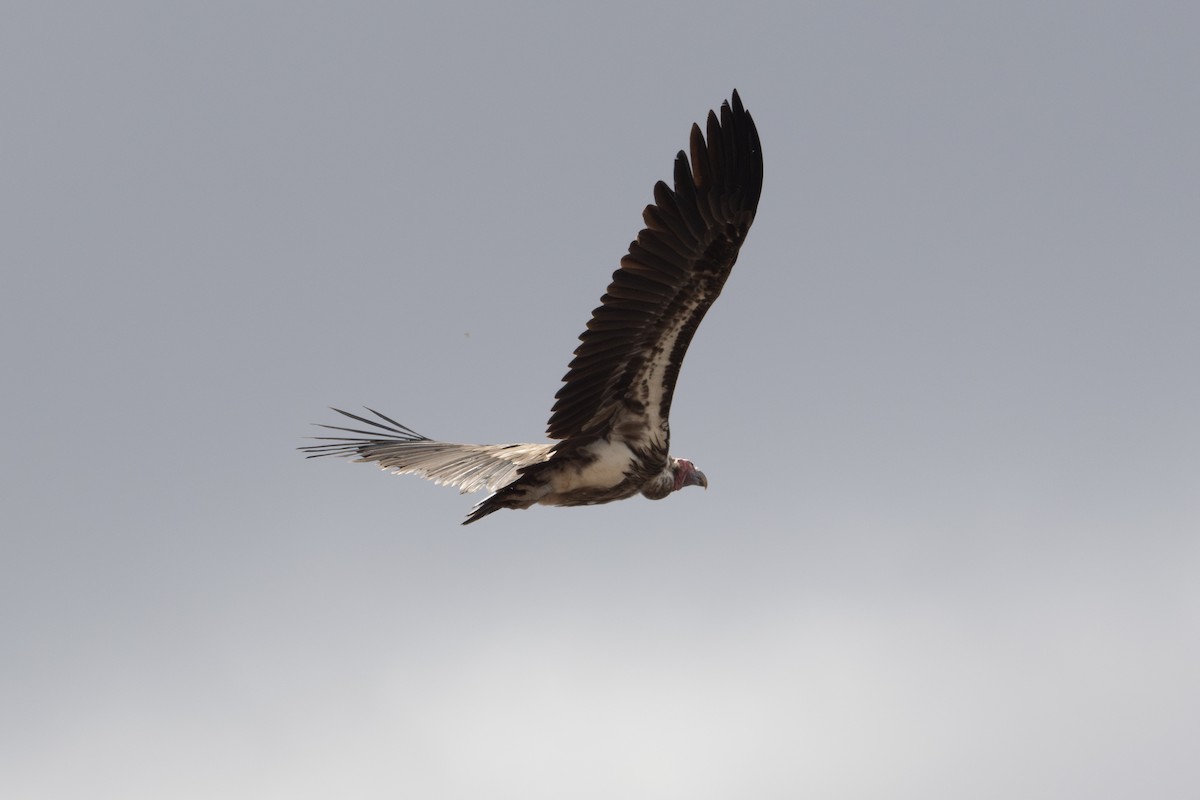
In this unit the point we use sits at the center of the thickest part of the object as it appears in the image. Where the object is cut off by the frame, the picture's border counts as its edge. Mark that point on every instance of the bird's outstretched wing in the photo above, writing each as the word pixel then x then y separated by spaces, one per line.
pixel 470 467
pixel 622 378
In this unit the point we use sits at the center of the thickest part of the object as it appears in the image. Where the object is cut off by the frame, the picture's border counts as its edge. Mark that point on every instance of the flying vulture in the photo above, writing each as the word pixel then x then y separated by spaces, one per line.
pixel 609 422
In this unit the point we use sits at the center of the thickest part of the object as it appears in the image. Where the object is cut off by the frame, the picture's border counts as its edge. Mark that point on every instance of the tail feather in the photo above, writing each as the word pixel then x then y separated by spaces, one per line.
pixel 522 492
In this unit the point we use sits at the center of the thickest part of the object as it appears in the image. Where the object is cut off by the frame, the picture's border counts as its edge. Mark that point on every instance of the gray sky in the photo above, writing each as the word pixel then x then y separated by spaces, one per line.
pixel 947 404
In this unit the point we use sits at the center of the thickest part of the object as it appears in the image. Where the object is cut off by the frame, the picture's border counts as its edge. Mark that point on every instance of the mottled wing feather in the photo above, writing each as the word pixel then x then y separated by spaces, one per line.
pixel 624 371
pixel 470 467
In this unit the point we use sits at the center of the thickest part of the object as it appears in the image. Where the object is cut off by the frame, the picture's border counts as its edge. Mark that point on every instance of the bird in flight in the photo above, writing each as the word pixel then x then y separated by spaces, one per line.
pixel 609 422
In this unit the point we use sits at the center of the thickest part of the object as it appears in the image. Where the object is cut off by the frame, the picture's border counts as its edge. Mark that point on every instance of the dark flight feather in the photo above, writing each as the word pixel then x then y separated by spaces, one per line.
pixel 674 271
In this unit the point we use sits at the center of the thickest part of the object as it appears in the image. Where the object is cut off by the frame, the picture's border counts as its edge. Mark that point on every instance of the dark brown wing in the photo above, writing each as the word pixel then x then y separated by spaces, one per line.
pixel 623 375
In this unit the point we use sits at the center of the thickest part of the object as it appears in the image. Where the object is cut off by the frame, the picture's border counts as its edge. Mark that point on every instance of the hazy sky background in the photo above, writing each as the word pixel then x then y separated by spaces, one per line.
pixel 948 403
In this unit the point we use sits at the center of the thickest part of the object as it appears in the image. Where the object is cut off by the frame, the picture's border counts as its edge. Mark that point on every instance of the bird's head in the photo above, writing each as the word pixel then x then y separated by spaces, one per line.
pixel 686 474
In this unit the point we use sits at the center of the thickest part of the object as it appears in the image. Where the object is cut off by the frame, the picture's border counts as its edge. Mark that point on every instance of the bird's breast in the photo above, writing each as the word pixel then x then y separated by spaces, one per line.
pixel 600 465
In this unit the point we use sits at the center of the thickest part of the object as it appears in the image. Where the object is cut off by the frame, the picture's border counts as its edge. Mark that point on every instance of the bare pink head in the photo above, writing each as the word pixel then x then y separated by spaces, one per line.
pixel 686 474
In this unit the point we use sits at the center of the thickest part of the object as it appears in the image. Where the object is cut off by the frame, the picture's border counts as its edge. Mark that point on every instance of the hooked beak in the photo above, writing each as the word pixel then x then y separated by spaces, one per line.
pixel 686 474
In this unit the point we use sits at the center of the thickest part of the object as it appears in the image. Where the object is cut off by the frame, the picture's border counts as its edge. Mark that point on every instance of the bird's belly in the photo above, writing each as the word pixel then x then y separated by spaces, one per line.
pixel 608 467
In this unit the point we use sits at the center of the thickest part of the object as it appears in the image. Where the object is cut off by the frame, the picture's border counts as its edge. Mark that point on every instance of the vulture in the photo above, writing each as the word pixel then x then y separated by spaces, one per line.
pixel 609 423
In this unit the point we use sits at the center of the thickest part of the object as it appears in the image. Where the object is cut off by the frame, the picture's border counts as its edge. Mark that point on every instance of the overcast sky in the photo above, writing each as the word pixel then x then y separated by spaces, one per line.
pixel 947 404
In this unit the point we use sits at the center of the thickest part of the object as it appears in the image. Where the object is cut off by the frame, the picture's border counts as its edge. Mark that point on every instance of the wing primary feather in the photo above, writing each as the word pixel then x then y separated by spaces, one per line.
pixel 394 424
pixel 629 354
pixel 400 449
pixel 397 427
